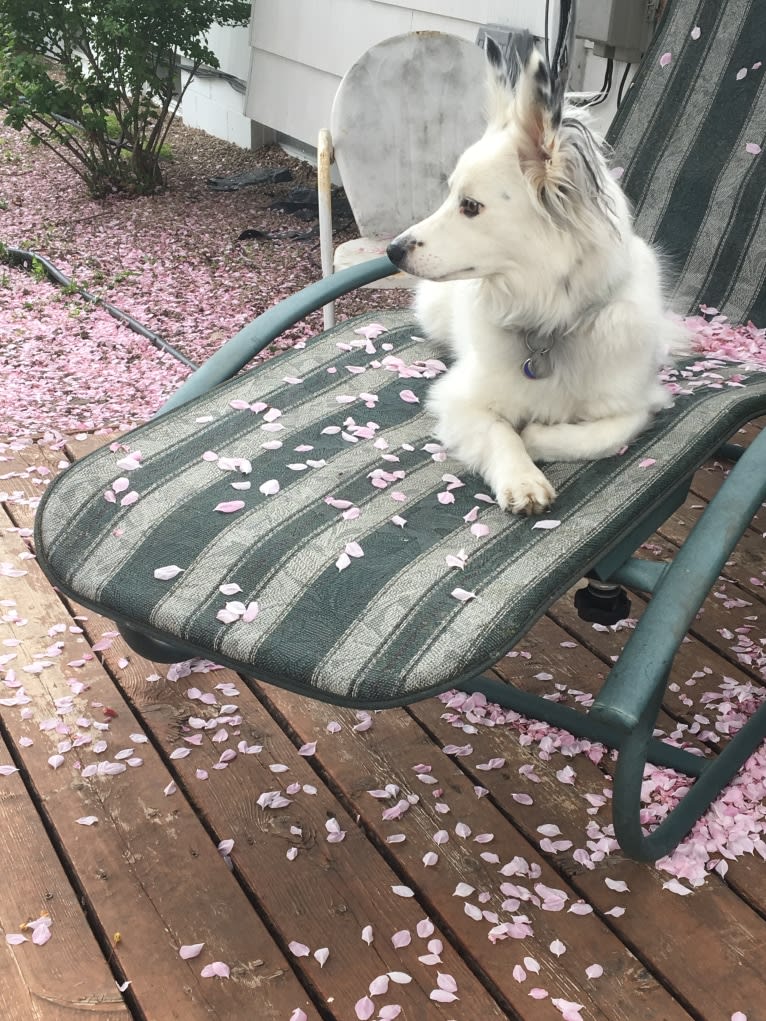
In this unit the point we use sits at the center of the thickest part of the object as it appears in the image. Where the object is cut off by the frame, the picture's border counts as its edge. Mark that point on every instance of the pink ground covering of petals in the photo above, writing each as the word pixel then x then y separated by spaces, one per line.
pixel 171 260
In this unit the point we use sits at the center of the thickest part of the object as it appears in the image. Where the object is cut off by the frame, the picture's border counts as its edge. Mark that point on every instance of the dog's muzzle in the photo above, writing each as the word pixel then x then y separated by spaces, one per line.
pixel 399 248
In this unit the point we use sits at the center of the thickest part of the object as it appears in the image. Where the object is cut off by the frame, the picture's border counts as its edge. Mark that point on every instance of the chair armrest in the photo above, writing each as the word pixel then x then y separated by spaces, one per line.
pixel 254 337
pixel 325 158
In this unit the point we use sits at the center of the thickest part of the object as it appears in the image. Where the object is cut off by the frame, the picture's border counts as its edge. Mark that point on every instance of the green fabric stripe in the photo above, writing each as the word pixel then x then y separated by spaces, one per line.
pixel 734 273
pixel 693 187
pixel 666 93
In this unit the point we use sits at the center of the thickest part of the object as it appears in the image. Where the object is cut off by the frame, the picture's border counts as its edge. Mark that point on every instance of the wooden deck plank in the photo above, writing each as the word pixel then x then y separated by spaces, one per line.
pixel 391 749
pixel 330 892
pixel 68 977
pixel 129 864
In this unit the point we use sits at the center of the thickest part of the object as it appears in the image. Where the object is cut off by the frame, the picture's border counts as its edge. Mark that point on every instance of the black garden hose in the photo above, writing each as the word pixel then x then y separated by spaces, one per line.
pixel 25 259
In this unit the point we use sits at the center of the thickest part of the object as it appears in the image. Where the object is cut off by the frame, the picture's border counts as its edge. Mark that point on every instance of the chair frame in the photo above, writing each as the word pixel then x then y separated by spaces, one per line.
pixel 624 713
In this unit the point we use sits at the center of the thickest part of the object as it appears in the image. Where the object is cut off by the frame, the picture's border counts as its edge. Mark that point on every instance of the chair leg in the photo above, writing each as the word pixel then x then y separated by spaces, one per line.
pixel 636 749
pixel 324 195
pixel 717 773
pixel 151 648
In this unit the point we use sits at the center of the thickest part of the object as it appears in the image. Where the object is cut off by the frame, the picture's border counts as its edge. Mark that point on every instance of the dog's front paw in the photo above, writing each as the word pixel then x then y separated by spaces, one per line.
pixel 530 493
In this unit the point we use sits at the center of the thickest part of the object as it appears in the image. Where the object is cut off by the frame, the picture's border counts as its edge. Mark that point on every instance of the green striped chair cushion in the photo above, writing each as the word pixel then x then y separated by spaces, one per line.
pixel 312 486
pixel 689 136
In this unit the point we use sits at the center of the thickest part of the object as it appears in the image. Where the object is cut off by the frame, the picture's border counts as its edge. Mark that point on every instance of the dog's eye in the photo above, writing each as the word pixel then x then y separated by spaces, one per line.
pixel 470 207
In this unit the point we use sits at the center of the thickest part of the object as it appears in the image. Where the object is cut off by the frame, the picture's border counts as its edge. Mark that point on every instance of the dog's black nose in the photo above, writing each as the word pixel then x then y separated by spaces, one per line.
pixel 398 248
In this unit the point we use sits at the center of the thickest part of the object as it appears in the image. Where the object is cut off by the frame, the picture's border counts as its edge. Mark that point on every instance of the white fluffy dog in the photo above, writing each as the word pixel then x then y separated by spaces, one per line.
pixel 553 308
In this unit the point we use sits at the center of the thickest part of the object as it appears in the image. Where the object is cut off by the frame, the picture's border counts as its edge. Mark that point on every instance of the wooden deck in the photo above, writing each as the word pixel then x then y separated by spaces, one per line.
pixel 125 893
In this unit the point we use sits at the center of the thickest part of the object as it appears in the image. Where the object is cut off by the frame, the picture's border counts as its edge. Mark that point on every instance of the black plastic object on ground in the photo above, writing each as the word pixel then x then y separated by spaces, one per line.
pixel 248 178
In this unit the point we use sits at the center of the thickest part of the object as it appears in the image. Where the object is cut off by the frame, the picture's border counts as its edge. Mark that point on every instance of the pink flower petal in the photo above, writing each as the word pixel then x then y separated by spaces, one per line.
pixel 166 573
pixel 216 969
pixel 298 949
pixel 87 820
pixel 270 488
pixel 402 891
pixel 409 397
pixel 379 986
pixel 665 59
pixel 41 935
pixel 447 982
pixel 753 148
pixel 230 506
pixel 364 1008
pixel 462 595
pixel 594 971
pixel 190 950
pixel 442 996
pixel 400 977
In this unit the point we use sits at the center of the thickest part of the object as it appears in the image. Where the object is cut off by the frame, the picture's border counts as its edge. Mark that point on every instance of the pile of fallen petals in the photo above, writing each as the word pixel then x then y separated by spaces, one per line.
pixel 713 334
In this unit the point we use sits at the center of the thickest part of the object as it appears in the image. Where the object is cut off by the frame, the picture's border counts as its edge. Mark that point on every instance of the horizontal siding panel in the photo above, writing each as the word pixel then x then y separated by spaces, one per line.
pixel 326 34
pixel 520 13
pixel 292 98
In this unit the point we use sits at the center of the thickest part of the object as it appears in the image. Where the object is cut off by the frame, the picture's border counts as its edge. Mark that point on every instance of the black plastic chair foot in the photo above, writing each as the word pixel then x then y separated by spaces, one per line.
pixel 602 603
pixel 151 648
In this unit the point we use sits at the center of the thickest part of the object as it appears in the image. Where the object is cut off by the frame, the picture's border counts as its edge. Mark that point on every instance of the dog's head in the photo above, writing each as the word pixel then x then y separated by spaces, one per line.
pixel 535 178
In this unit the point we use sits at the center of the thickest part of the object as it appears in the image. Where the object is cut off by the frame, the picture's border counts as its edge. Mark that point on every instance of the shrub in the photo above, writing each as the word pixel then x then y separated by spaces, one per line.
pixel 95 80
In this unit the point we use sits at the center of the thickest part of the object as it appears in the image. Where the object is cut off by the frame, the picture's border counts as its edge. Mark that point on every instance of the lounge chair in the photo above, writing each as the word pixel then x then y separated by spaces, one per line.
pixel 313 483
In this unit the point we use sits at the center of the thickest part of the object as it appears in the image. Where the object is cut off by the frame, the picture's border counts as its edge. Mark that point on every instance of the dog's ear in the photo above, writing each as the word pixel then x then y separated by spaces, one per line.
pixel 539 100
pixel 502 76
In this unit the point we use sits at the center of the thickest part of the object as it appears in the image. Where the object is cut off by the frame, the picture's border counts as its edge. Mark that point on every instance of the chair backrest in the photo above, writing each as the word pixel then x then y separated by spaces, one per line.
pixel 402 116
pixel 689 136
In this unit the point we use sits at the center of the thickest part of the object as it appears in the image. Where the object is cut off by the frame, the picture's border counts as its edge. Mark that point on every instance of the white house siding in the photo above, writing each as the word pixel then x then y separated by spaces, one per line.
pixel 211 103
pixel 295 52
pixel 302 48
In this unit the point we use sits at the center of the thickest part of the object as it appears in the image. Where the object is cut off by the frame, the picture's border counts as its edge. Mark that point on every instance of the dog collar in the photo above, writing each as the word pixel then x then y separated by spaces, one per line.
pixel 539 364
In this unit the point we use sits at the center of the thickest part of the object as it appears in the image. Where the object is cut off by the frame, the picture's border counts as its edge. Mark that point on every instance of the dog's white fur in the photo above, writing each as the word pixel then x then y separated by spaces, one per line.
pixel 549 249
